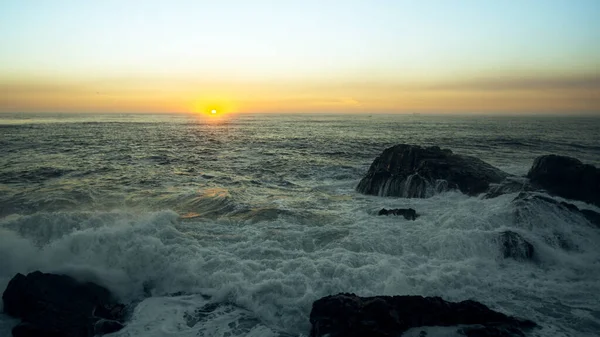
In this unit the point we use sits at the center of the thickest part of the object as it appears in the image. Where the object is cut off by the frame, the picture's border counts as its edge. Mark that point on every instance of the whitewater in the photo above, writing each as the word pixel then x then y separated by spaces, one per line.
pixel 235 226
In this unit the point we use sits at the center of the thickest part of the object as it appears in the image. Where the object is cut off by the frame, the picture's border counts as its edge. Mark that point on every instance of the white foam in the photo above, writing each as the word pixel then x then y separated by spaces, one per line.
pixel 188 315
pixel 273 270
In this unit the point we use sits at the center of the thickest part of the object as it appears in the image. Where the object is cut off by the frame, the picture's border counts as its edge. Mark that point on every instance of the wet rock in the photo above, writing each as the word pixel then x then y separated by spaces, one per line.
pixel 525 199
pixel 591 216
pixel 567 177
pixel 348 315
pixel 29 330
pixel 105 326
pixel 58 305
pixel 509 185
pixel 408 213
pixel 413 171
pixel 491 331
pixel 559 240
pixel 514 246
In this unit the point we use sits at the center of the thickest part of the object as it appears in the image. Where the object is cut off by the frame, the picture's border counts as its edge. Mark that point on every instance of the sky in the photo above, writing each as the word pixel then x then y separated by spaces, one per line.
pixel 368 56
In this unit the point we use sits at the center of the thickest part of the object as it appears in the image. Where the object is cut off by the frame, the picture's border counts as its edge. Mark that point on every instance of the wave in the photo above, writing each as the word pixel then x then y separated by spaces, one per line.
pixel 238 276
pixel 33 175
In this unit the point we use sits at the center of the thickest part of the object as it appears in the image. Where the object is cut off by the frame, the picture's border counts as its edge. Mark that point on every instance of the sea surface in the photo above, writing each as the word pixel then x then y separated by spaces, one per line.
pixel 233 226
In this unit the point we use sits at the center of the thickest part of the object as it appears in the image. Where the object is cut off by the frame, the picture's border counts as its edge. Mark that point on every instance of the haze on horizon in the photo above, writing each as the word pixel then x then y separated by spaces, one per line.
pixel 300 56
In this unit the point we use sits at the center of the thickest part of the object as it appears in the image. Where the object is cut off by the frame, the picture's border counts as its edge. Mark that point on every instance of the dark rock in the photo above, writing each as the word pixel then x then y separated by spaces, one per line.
pixel 111 311
pixel 491 331
pixel 567 177
pixel 509 185
pixel 524 199
pixel 525 196
pixel 348 315
pixel 58 305
pixel 29 330
pixel 514 246
pixel 105 326
pixel 591 216
pixel 408 213
pixel 413 171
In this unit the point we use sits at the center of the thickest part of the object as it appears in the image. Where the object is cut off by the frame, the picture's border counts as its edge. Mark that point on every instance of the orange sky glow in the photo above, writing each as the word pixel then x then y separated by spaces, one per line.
pixel 311 56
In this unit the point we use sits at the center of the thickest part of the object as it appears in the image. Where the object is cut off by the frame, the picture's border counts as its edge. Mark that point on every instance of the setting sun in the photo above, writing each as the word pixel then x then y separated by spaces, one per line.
pixel 212 107
pixel 225 164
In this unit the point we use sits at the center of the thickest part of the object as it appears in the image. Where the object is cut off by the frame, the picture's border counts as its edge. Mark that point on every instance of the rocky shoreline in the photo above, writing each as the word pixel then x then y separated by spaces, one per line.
pixel 412 171
pixel 61 306
pixel 52 305
pixel 348 315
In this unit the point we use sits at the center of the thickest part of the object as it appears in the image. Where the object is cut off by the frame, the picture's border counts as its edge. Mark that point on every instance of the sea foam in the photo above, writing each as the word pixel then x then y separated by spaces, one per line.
pixel 262 277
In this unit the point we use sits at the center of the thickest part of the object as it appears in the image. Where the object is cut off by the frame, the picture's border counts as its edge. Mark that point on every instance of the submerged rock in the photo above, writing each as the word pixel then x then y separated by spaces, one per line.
pixel 509 185
pixel 408 213
pixel 348 315
pixel 105 326
pixel 412 171
pixel 526 199
pixel 515 246
pixel 591 216
pixel 58 305
pixel 567 177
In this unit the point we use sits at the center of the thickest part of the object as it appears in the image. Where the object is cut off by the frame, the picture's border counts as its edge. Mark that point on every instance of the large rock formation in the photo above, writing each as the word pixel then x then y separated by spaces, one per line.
pixel 413 171
pixel 567 177
pixel 58 305
pixel 348 315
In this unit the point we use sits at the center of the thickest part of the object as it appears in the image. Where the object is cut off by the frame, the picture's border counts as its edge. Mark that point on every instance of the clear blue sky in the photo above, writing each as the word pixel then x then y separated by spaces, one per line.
pixel 302 43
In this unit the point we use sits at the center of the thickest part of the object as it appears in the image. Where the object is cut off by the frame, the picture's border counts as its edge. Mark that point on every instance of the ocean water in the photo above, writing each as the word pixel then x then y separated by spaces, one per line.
pixel 233 227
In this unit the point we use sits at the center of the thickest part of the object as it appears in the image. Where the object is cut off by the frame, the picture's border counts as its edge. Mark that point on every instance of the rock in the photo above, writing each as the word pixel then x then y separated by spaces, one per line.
pixel 514 246
pixel 348 315
pixel 491 331
pixel 567 177
pixel 29 330
pixel 525 198
pixel 105 326
pixel 591 216
pixel 58 305
pixel 413 171
pixel 509 185
pixel 408 213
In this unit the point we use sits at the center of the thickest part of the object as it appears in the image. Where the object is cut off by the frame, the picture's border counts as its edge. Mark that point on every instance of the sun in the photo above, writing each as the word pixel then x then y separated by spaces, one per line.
pixel 212 109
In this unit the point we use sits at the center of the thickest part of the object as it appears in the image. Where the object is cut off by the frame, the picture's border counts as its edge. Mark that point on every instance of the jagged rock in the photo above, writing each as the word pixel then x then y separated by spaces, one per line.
pixel 567 177
pixel 525 198
pixel 408 213
pixel 413 171
pixel 348 315
pixel 509 185
pixel 515 246
pixel 105 326
pixel 58 305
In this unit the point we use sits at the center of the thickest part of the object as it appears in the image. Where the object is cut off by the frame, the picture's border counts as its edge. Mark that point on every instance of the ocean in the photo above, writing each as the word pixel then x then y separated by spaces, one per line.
pixel 234 226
